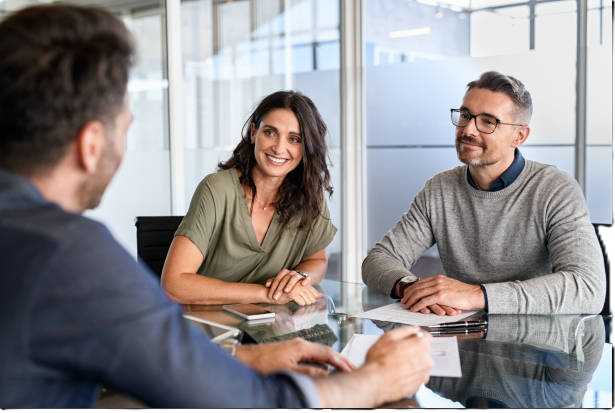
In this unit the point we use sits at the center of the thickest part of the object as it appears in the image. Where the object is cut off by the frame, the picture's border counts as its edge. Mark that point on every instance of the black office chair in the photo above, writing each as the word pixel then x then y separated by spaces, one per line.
pixel 606 308
pixel 154 236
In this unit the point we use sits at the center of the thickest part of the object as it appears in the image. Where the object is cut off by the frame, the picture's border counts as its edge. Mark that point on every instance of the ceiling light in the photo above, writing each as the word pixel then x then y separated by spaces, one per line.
pixel 419 31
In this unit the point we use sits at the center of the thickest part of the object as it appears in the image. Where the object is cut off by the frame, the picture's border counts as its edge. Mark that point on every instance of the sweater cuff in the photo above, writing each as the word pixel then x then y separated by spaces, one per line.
pixel 308 388
pixel 502 298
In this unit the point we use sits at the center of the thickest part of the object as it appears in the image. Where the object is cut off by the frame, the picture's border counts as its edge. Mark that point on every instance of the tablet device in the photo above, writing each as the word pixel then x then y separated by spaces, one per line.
pixel 249 311
pixel 216 332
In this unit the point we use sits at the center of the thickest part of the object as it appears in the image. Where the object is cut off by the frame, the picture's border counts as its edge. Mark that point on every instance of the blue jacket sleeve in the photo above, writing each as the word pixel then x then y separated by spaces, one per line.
pixel 103 318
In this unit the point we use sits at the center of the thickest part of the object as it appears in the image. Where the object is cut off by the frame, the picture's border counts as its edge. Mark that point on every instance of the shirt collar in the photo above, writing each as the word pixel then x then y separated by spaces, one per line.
pixel 508 177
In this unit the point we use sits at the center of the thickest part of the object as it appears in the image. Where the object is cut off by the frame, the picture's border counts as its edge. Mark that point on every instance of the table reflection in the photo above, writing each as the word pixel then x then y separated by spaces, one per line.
pixel 519 362
pixel 527 362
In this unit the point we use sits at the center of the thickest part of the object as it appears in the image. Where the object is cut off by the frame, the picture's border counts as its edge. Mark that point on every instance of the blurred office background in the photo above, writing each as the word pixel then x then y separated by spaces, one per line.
pixel 417 57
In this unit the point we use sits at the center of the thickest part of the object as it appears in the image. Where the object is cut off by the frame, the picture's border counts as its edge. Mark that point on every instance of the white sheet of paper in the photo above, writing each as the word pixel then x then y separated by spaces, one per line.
pixel 397 314
pixel 444 352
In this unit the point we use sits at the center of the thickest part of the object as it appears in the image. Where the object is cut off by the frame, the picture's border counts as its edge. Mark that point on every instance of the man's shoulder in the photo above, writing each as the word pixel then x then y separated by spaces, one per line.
pixel 549 177
pixel 51 225
pixel 47 246
pixel 453 173
pixel 447 178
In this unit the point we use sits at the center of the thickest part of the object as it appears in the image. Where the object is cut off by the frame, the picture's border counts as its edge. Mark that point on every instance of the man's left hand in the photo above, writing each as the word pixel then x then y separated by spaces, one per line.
pixel 442 290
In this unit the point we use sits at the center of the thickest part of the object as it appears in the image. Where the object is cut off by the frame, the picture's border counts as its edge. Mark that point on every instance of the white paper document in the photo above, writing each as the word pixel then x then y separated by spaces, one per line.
pixel 444 352
pixel 397 314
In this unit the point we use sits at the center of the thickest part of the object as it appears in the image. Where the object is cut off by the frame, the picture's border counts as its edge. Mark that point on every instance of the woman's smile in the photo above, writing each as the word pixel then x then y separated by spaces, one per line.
pixel 276 160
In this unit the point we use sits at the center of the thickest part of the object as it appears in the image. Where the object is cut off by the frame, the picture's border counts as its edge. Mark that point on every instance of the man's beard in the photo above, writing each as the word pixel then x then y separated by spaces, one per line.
pixel 475 162
pixel 92 190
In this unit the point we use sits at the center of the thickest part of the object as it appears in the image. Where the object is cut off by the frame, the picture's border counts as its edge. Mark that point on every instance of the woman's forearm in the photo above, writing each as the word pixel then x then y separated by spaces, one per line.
pixel 189 288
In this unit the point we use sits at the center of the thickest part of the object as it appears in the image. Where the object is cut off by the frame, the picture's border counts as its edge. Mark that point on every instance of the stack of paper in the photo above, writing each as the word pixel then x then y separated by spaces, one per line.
pixel 444 352
pixel 395 313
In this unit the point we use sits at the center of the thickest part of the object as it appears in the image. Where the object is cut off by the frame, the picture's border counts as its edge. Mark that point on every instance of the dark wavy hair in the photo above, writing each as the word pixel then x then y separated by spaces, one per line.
pixel 302 192
pixel 61 66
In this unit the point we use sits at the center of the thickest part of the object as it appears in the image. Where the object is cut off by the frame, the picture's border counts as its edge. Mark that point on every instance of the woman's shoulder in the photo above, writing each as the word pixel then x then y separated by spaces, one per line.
pixel 322 219
pixel 217 188
pixel 220 183
pixel 324 213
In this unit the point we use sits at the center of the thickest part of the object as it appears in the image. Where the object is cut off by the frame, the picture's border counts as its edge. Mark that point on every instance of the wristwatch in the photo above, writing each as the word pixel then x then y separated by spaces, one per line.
pixel 404 283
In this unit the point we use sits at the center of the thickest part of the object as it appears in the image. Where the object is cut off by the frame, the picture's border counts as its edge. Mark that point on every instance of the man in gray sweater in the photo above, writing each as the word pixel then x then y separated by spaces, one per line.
pixel 514 235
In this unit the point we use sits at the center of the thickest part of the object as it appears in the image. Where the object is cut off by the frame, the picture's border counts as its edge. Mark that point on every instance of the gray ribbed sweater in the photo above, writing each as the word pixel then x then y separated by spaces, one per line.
pixel 531 244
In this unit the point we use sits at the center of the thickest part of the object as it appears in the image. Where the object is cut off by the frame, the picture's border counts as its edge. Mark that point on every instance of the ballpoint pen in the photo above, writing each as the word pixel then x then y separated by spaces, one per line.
pixel 458 331
pixel 469 323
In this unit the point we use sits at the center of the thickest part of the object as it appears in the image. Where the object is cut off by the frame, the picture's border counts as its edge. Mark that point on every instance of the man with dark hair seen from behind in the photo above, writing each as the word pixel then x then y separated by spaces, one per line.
pixel 76 309
pixel 514 235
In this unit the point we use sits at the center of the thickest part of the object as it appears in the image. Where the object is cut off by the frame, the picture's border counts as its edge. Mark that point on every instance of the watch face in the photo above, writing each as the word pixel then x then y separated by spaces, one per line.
pixel 409 279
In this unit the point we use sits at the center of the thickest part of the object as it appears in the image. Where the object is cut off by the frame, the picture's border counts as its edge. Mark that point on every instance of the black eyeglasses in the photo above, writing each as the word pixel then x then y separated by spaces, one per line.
pixel 484 123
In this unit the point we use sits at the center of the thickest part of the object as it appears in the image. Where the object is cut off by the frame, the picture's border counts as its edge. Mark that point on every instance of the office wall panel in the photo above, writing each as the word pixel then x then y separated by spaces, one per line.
pixel 599 175
pixel 394 176
pixel 140 188
pixel 408 103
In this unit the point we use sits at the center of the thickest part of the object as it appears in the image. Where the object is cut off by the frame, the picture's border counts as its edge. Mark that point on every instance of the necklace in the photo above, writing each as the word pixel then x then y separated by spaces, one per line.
pixel 254 204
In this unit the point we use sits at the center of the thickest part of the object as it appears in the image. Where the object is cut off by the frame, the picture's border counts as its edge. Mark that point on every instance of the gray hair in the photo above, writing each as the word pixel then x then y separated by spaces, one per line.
pixel 511 87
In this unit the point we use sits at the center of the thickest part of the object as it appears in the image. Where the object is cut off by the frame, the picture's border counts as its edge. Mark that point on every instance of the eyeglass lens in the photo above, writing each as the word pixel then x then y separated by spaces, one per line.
pixel 484 123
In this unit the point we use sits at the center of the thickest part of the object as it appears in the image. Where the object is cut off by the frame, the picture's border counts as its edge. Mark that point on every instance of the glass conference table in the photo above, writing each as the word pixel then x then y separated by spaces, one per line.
pixel 519 362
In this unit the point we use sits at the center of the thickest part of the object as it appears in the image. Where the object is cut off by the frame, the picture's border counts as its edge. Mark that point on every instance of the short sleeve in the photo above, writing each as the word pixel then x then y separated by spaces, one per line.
pixel 199 223
pixel 321 233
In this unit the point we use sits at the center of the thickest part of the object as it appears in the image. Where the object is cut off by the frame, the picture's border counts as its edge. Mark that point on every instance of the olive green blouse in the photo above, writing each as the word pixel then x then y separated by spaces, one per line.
pixel 219 224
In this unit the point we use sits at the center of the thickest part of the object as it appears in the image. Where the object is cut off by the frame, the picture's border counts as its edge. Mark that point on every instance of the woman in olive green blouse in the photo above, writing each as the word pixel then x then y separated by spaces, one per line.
pixel 257 229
